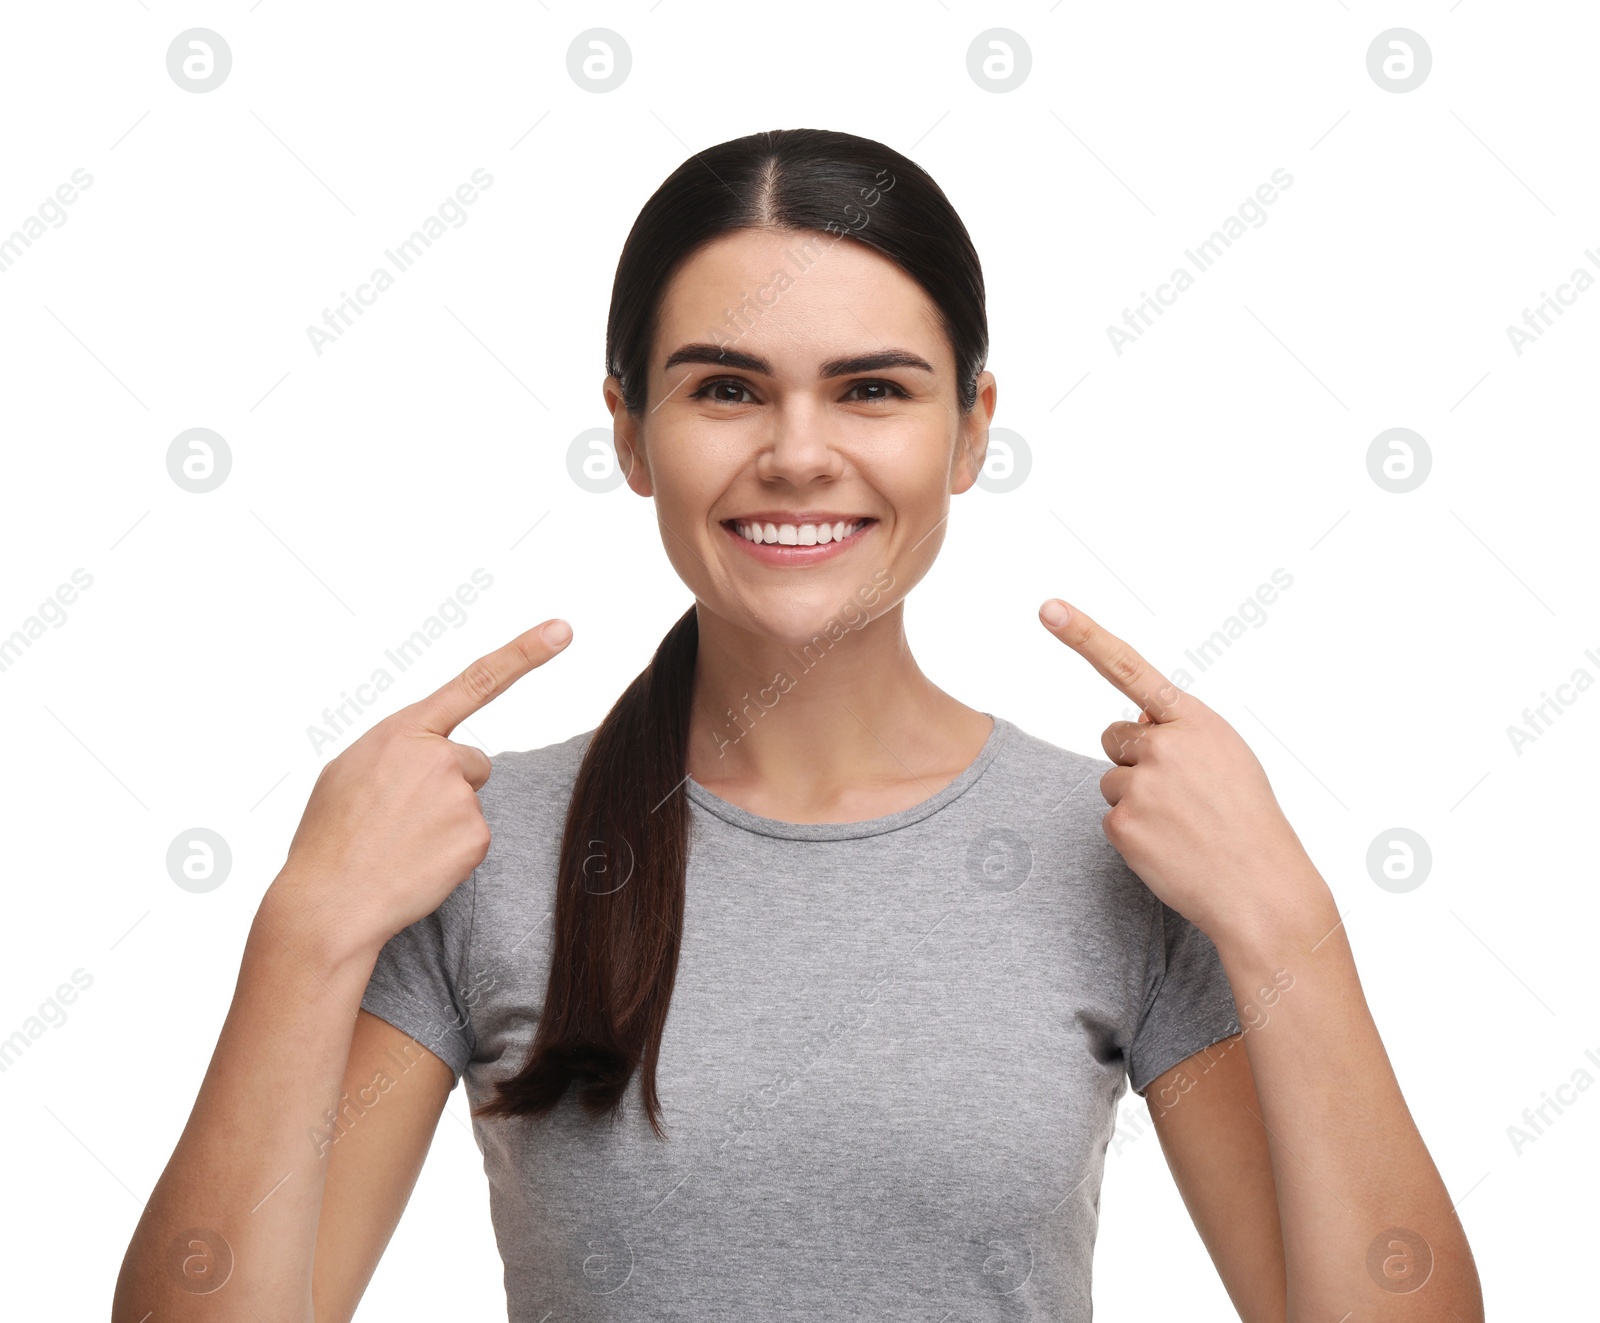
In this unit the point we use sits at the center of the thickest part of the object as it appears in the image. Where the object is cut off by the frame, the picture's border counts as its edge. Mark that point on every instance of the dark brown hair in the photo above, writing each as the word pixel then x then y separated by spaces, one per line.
pixel 620 883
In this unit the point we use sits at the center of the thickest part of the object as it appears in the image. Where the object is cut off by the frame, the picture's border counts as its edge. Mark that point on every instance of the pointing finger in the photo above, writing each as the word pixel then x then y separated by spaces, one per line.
pixel 1130 673
pixel 488 677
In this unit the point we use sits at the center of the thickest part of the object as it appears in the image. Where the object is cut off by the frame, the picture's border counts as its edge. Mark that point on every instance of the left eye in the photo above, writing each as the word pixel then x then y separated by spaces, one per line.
pixel 887 385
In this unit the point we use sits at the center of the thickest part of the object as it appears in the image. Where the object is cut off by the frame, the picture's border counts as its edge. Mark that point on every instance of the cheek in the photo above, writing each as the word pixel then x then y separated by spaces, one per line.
pixel 687 484
pixel 918 496
pixel 696 463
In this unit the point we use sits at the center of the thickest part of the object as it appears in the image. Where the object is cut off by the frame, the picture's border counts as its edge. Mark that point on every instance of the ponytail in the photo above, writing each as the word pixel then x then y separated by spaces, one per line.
pixel 619 900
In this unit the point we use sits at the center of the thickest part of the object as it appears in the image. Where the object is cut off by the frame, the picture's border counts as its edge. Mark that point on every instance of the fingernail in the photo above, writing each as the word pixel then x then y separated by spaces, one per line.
pixel 1053 613
pixel 557 633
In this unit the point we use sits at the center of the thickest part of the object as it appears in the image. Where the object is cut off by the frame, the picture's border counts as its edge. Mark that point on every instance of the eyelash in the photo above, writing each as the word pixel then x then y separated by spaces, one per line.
pixel 702 393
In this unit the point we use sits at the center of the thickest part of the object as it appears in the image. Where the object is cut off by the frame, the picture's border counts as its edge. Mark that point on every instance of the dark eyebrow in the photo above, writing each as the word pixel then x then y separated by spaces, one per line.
pixel 835 367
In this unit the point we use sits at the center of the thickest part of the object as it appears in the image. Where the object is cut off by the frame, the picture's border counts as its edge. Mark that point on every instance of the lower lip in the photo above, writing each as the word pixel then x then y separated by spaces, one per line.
pixel 776 553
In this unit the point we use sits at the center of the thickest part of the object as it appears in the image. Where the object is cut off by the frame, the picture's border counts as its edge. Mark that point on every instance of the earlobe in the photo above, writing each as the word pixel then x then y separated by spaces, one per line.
pixel 623 429
pixel 976 449
pixel 634 469
pixel 973 454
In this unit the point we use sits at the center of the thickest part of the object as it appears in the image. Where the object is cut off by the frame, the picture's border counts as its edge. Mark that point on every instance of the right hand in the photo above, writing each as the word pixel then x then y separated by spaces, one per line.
pixel 393 824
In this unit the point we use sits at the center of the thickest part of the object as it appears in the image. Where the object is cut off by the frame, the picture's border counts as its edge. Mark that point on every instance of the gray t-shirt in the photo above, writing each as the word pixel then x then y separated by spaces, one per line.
pixel 890 1067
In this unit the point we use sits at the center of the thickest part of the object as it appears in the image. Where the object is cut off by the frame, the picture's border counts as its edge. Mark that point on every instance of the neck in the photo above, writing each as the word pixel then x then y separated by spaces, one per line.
pixel 799 722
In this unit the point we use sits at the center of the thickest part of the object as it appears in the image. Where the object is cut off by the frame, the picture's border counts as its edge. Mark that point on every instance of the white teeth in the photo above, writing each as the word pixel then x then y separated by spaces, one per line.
pixel 798 535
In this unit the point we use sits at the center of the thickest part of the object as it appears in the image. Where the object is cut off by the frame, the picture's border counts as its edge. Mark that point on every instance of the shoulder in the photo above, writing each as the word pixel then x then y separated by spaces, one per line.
pixel 1049 776
pixel 524 801
pixel 517 768
pixel 529 785
pixel 1051 794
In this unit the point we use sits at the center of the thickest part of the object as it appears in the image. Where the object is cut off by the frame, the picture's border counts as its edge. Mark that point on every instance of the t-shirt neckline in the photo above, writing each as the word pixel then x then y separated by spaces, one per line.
pixel 843 831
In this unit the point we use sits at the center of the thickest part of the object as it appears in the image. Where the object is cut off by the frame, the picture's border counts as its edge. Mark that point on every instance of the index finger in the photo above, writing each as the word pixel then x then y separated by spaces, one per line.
pixel 1117 661
pixel 489 677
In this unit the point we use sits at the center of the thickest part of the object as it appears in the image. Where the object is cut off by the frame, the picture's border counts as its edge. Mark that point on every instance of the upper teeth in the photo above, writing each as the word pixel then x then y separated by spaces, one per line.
pixel 798 535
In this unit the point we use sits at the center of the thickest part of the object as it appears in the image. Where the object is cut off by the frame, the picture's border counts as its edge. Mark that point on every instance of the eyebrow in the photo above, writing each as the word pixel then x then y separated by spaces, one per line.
pixel 720 356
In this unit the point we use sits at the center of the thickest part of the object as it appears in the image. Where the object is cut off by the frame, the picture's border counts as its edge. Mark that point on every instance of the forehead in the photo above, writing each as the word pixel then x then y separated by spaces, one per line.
pixel 801 293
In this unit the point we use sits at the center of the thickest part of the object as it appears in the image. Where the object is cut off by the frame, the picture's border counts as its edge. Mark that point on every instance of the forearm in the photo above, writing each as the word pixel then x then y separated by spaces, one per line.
pixel 245 1174
pixel 1364 1213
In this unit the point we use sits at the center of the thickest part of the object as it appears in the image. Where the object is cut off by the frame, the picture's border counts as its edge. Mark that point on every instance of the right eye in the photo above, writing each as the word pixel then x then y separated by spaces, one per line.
pixel 716 383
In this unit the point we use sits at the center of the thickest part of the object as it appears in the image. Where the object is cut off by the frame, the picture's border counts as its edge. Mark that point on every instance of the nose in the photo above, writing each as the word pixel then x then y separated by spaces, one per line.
pixel 802 446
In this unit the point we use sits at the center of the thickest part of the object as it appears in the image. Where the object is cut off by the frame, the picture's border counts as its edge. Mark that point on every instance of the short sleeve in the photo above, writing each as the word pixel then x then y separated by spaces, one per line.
pixel 1188 1004
pixel 416 984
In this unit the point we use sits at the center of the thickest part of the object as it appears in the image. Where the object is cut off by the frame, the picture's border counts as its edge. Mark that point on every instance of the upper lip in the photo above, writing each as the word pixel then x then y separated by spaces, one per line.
pixel 796 517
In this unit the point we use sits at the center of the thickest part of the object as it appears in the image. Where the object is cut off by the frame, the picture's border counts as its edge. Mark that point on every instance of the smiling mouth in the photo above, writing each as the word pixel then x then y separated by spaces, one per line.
pixel 767 533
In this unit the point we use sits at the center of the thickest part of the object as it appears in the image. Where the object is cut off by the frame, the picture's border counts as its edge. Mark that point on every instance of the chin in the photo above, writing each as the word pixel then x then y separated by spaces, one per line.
pixel 818 626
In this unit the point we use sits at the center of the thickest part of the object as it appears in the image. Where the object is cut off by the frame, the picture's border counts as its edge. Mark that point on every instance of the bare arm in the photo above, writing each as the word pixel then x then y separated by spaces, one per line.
pixel 392 827
pixel 1205 1113
pixel 234 1216
pixel 1368 1224
pixel 373 1166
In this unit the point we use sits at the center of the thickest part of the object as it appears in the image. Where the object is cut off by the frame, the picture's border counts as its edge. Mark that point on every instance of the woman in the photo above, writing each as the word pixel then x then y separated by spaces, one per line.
pixel 798 986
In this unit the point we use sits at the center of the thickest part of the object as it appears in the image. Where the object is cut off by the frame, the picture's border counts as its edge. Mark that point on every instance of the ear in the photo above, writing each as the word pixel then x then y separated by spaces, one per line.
pixel 626 440
pixel 972 440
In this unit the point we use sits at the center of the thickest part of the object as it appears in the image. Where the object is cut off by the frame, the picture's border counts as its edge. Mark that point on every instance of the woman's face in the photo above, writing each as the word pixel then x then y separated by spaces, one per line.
pixel 833 401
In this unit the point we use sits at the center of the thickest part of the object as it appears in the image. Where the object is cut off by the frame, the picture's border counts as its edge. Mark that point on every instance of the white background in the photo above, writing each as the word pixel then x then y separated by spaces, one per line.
pixel 1168 482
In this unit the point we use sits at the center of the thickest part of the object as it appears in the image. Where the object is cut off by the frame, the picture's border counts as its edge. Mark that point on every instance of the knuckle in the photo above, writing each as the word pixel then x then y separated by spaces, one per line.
pixel 479 681
pixel 1124 667
pixel 1116 821
pixel 476 842
pixel 1109 825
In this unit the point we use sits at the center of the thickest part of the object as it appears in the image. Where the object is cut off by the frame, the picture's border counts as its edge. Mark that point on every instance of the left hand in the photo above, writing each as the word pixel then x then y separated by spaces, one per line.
pixel 1192 811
